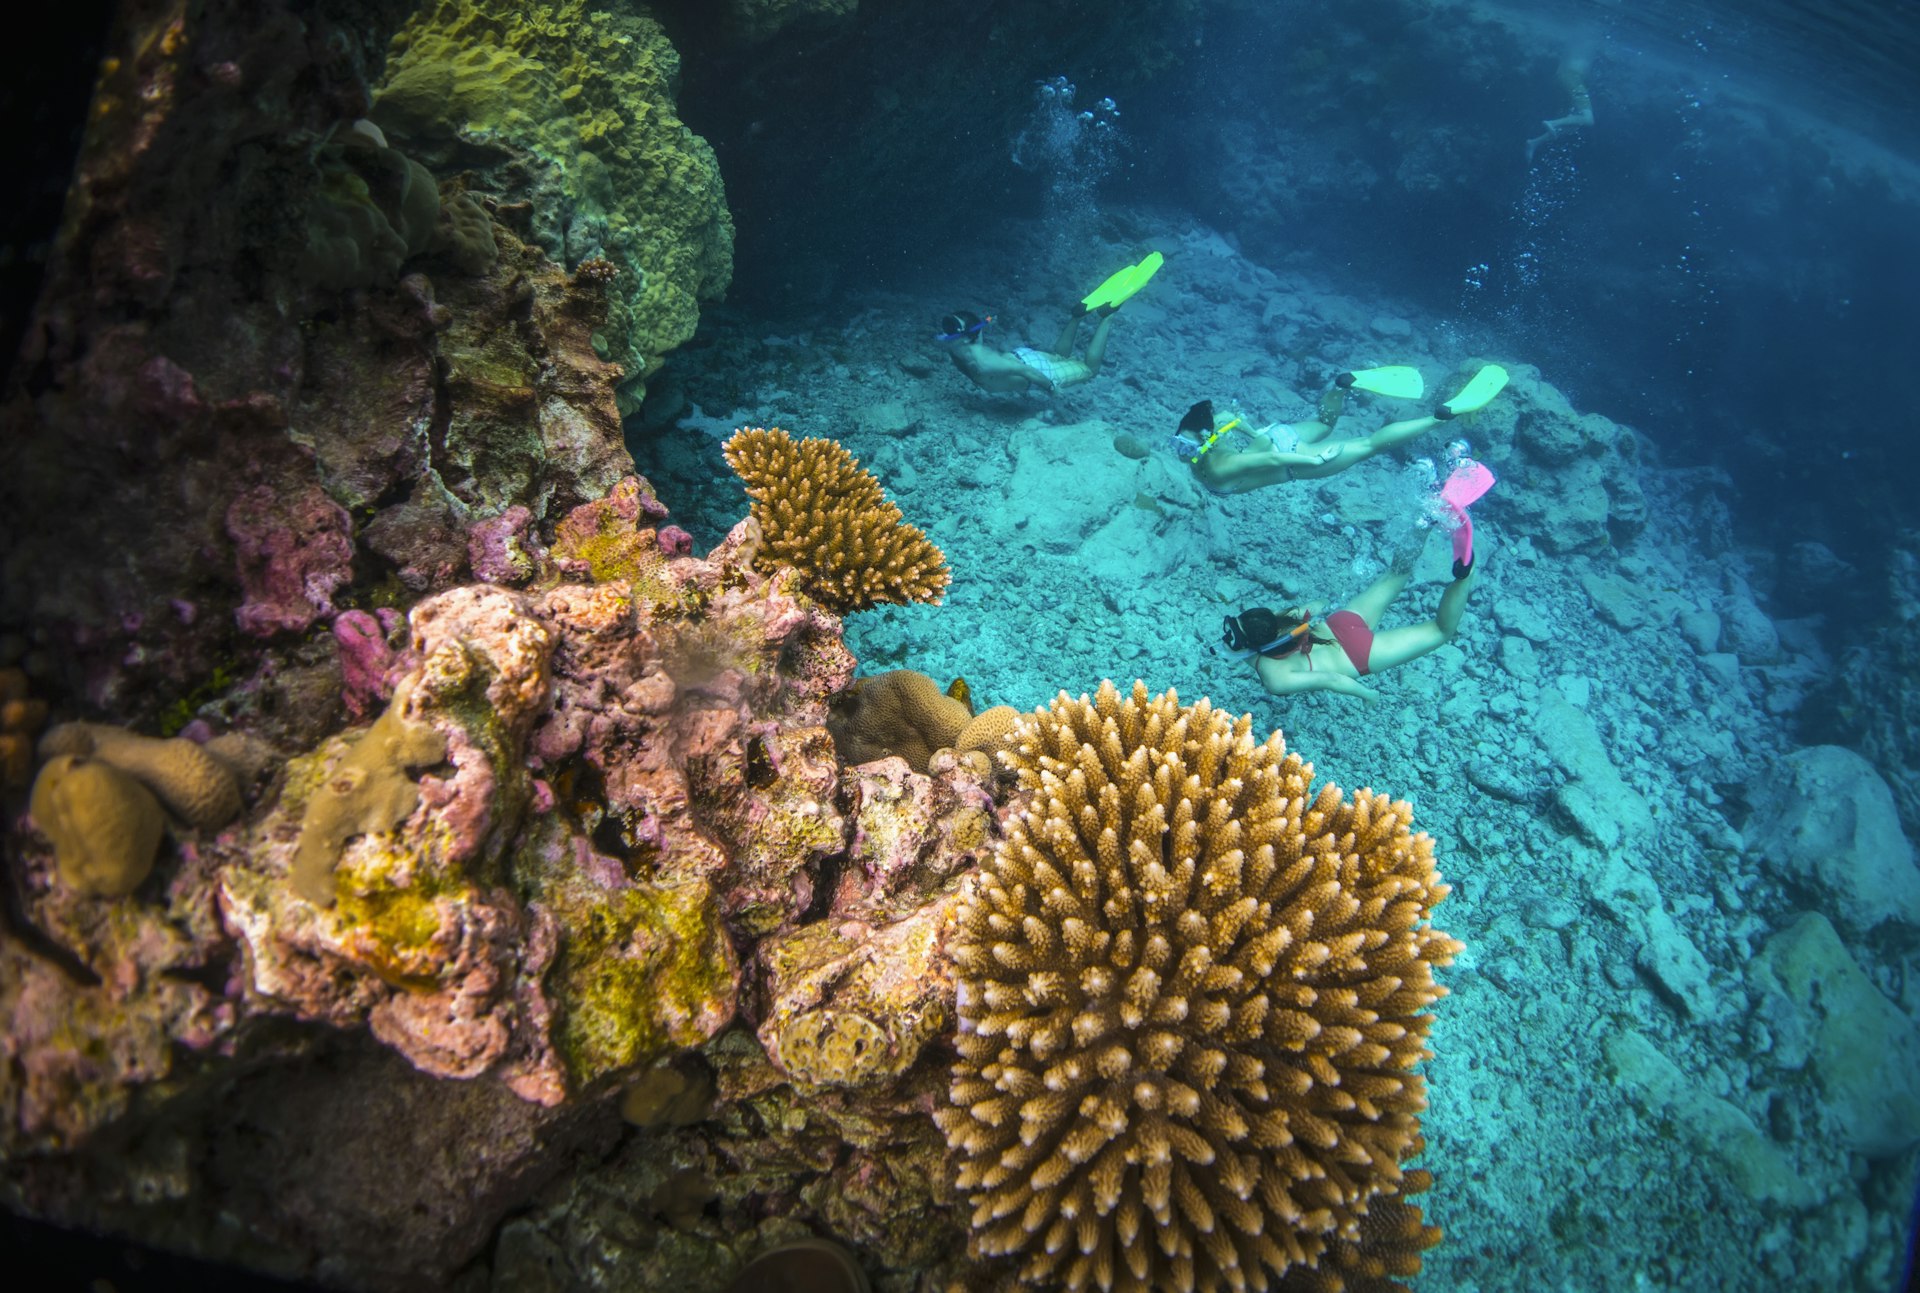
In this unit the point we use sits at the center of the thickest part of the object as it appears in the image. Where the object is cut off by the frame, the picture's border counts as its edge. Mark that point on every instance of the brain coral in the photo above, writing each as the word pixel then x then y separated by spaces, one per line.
pixel 1192 997
pixel 588 91
pixel 820 512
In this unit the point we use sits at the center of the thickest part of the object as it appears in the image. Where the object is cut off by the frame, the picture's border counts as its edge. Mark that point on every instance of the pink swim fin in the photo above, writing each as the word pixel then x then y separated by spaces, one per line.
pixel 1462 489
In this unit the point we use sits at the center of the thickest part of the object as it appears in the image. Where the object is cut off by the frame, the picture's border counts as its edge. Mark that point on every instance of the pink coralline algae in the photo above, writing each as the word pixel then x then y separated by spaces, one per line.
pixel 366 658
pixel 497 548
pixel 293 552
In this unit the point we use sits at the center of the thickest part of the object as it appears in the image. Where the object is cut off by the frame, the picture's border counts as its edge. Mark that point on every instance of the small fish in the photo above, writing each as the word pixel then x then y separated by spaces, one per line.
pixel 959 690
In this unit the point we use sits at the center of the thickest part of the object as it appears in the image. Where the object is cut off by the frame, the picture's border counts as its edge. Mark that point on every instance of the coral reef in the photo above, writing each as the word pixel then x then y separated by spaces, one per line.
pixel 21 714
pixel 331 435
pixel 584 96
pixel 820 512
pixel 1193 997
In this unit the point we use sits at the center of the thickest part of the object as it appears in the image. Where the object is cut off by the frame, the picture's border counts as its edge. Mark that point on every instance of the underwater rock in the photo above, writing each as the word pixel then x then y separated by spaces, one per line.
pixel 1595 800
pixel 1864 1049
pixel 584 98
pixel 1721 1132
pixel 1823 817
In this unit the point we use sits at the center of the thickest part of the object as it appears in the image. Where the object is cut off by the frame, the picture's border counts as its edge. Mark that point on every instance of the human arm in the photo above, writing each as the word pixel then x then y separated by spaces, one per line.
pixel 1279 680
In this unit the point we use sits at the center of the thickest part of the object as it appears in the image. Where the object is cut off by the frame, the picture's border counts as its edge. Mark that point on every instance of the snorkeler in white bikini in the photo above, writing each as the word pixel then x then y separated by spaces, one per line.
pixel 1012 373
pixel 1301 451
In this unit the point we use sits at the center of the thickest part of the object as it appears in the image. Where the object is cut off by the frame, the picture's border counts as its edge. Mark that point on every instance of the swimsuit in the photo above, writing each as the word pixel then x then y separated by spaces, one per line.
pixel 1057 369
pixel 1354 637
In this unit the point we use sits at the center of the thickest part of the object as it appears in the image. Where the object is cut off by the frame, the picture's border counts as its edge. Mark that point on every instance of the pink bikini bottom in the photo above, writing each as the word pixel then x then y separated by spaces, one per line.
pixel 1354 637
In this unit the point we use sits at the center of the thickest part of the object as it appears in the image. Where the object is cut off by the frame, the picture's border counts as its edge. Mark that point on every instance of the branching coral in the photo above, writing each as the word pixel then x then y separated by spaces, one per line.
pixel 1192 998
pixel 820 512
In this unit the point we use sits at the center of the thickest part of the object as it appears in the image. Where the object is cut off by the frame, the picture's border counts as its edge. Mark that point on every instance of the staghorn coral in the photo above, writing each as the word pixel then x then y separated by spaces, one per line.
pixel 1192 997
pixel 821 513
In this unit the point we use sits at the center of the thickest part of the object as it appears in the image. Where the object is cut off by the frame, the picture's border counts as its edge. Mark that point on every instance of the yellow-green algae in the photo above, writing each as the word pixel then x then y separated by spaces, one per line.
pixel 386 898
pixel 615 547
pixel 643 970
pixel 591 92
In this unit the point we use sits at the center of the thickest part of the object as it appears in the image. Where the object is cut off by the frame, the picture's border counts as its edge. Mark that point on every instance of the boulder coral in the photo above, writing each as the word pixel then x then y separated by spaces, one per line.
pixel 1192 1001
pixel 105 826
pixel 586 96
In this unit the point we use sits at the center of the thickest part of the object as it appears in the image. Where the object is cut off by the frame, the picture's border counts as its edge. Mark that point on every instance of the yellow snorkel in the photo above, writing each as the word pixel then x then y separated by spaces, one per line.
pixel 1209 442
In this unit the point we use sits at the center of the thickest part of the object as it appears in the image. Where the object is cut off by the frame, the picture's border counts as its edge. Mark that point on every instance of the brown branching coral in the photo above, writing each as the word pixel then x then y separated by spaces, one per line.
pixel 1192 998
pixel 820 512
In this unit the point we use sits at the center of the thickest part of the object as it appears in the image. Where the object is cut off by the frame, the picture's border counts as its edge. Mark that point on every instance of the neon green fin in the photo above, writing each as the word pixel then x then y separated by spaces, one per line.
pixel 1399 381
pixel 1479 392
pixel 1123 283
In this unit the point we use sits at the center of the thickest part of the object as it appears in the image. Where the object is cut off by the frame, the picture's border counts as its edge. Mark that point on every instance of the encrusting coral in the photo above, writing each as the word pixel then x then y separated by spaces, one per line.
pixel 821 513
pixel 369 791
pixel 1192 997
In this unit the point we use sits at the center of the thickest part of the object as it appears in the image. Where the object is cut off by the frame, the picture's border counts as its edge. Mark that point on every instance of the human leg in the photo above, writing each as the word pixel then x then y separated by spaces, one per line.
pixel 1097 347
pixel 1397 646
pixel 1372 604
pixel 1394 433
pixel 1063 344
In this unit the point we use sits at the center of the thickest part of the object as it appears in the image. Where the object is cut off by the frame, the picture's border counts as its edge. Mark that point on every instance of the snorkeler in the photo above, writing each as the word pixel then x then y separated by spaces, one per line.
pixel 1573 75
pixel 1303 457
pixel 1282 645
pixel 1004 373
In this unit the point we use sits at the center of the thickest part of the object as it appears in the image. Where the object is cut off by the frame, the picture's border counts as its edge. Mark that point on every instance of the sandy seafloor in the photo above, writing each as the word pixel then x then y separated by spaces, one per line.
pixel 1073 563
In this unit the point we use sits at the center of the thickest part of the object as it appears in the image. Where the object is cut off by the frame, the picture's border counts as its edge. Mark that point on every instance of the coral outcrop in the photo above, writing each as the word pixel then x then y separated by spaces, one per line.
pixel 1193 997
pixel 823 514
pixel 584 97
pixel 904 714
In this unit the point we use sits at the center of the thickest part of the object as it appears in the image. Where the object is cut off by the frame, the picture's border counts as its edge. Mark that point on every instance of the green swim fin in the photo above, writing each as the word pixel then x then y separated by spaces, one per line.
pixel 1476 394
pixel 1123 283
pixel 1399 381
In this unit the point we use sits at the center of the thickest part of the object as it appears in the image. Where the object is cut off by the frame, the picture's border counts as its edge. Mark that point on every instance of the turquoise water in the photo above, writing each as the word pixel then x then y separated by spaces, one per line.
pixel 1677 1051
